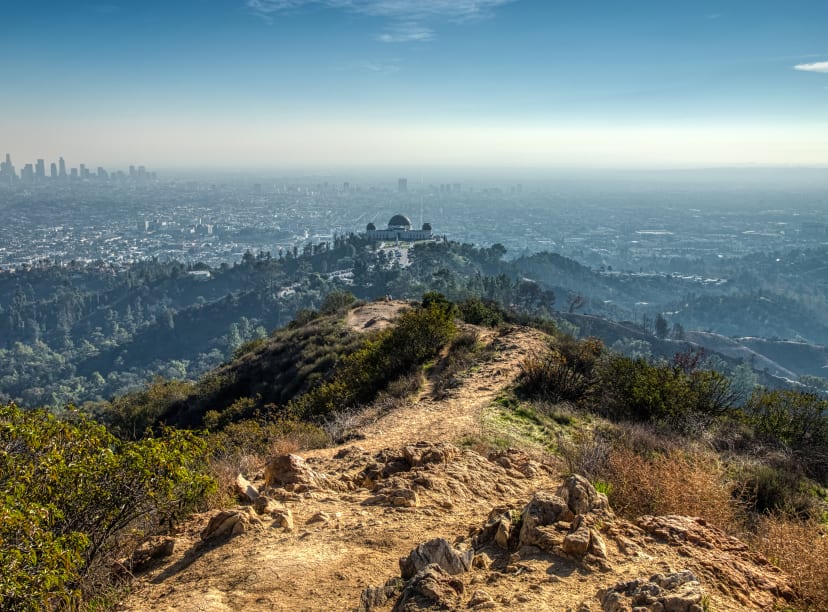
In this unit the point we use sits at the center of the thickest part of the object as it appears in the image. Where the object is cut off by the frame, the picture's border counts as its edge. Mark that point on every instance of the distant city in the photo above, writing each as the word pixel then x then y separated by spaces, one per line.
pixel 36 172
pixel 641 223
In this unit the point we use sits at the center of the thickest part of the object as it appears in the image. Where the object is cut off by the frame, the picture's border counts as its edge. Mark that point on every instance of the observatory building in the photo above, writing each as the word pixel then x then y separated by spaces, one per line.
pixel 399 228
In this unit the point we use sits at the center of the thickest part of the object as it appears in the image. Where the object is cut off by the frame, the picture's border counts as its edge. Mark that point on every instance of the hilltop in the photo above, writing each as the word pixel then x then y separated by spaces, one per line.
pixel 465 471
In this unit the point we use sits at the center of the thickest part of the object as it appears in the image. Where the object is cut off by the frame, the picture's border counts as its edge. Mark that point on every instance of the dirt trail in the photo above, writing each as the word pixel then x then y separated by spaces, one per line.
pixel 459 414
pixel 349 534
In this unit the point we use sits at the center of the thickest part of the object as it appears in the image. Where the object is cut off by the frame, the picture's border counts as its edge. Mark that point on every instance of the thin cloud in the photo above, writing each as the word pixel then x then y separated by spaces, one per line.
pixel 377 67
pixel 814 67
pixel 411 20
pixel 406 32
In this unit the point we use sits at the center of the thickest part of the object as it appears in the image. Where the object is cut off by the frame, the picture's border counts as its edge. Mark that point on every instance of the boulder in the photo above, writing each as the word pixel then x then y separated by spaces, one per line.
pixel 289 470
pixel 436 552
pixel 245 491
pixel 544 509
pixel 431 586
pixel 577 542
pixel 229 523
pixel 677 592
pixel 581 497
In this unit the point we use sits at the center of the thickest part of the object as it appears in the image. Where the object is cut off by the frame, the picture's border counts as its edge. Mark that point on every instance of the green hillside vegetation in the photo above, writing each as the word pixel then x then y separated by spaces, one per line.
pixel 658 436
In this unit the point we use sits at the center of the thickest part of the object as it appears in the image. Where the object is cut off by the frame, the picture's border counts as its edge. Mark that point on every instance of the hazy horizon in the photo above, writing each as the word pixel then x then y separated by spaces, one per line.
pixel 405 83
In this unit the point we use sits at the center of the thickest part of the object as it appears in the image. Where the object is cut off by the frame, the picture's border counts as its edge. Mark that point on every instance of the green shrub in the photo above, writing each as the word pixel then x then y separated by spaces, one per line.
pixel 479 312
pixel 798 421
pixel 130 415
pixel 636 390
pixel 419 335
pixel 73 498
pixel 336 301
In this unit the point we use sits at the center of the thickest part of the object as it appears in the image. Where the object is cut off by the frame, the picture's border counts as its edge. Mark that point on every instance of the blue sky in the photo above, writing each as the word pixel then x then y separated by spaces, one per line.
pixel 401 82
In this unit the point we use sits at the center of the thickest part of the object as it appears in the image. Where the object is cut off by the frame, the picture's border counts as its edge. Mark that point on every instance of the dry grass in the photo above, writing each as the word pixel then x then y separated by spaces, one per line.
pixel 801 550
pixel 678 482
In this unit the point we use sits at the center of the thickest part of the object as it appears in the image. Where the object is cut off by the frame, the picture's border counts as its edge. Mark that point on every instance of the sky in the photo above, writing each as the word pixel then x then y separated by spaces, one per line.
pixel 426 83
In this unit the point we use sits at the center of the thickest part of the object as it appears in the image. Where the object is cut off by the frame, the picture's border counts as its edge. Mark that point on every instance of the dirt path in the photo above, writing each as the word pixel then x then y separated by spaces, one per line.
pixel 347 536
pixel 459 414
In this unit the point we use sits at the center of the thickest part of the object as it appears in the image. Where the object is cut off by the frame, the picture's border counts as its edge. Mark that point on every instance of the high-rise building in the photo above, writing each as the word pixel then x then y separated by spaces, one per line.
pixel 40 169
pixel 402 185
pixel 27 173
pixel 62 168
pixel 53 173
pixel 7 172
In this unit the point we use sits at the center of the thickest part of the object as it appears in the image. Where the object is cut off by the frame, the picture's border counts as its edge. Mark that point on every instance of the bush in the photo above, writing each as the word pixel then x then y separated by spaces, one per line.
pixel 636 390
pixel 678 482
pixel 418 335
pixel 74 498
pixel 336 302
pixel 801 550
pixel 479 312
pixel 129 416
pixel 565 373
pixel 798 421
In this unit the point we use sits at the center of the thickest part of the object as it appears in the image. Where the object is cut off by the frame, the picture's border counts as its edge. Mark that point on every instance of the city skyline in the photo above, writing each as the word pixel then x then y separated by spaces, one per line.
pixel 471 83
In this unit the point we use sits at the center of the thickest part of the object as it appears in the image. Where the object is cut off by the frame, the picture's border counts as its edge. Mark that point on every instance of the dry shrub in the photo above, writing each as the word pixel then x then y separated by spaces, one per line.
pixel 586 453
pixel 677 482
pixel 801 550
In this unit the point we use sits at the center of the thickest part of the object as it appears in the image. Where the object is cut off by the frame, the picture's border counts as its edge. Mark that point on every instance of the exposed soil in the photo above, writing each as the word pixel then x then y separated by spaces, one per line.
pixel 326 560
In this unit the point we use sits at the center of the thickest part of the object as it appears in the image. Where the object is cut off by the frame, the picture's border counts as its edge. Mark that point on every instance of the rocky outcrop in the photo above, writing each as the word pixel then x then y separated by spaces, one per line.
pixel 430 587
pixel 677 592
pixel 436 552
pixel 725 561
pixel 228 523
pixel 292 473
pixel 562 523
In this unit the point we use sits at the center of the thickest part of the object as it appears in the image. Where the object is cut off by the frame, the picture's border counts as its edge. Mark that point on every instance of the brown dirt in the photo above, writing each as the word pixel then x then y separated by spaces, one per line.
pixel 375 315
pixel 325 565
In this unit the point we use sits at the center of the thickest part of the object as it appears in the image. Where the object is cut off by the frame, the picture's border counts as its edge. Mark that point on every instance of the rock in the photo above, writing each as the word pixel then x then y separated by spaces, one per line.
pixel 577 542
pixel 544 509
pixel 423 453
pixel 597 546
pixel 282 518
pixel 481 600
pixel 288 469
pixel 245 491
pixel 745 575
pixel 504 530
pixel 482 561
pixel 154 548
pixel 431 586
pixel 319 517
pixel 266 505
pixel 376 597
pixel 436 552
pixel 229 523
pixel 677 592
pixel 581 497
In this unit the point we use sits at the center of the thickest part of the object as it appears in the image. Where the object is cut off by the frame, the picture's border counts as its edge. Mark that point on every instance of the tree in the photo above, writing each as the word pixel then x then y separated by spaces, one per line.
pixel 661 327
pixel 575 302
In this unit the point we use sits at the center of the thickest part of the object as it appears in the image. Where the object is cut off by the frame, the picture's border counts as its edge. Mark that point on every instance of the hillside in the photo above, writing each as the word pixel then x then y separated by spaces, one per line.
pixel 424 482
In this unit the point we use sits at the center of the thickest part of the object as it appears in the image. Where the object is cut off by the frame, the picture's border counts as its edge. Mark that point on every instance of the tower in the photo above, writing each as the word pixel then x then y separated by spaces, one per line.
pixel 402 185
